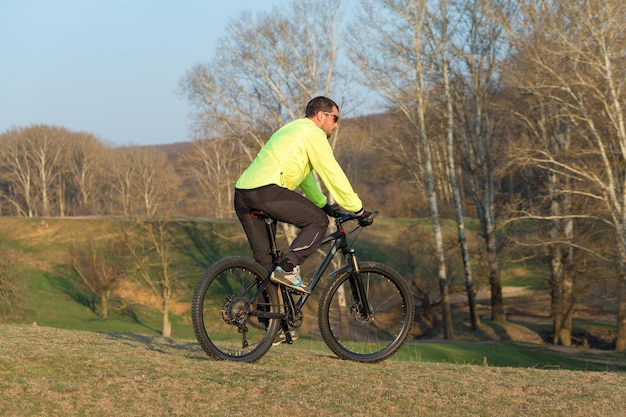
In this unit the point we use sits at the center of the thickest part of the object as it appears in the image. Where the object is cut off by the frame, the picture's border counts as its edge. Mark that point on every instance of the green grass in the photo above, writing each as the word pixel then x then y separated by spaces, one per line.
pixel 492 353
pixel 75 363
pixel 509 354
pixel 54 298
pixel 50 292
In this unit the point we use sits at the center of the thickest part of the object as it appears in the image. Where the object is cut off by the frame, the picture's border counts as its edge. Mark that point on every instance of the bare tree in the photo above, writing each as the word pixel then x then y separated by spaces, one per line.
pixel 101 267
pixel 399 66
pixel 18 174
pixel 84 157
pixel 141 181
pixel 150 245
pixel 552 205
pixel 151 200
pixel 442 30
pixel 576 52
pixel 214 165
pixel 480 49
pixel 266 67
pixel 45 152
pixel 45 169
pixel 119 182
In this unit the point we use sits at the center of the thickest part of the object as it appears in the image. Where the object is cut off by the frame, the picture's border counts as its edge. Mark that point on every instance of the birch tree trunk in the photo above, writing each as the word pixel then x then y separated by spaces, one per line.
pixel 399 67
pixel 441 38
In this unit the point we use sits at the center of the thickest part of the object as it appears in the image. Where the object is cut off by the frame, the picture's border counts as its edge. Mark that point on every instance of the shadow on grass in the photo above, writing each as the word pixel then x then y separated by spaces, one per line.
pixel 74 291
pixel 204 251
pixel 130 313
pixel 163 345
pixel 69 288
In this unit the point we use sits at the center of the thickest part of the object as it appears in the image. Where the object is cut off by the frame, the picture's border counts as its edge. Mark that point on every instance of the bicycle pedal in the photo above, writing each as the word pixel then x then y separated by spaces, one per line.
pixel 282 337
pixel 289 336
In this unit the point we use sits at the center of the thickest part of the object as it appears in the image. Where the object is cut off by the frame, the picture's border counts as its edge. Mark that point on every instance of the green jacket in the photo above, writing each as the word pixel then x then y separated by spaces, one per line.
pixel 289 158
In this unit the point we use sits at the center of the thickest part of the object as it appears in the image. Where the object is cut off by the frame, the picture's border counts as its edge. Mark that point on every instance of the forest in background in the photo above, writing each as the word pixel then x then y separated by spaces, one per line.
pixel 507 112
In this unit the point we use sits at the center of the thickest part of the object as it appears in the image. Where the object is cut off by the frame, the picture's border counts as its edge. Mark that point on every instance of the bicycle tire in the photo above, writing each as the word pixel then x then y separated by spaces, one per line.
pixel 372 340
pixel 219 297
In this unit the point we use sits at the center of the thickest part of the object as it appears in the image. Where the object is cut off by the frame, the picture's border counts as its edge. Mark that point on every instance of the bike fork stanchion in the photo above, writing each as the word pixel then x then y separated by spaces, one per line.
pixel 359 286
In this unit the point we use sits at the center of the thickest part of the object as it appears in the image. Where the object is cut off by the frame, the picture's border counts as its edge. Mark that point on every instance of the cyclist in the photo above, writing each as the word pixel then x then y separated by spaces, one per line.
pixel 285 163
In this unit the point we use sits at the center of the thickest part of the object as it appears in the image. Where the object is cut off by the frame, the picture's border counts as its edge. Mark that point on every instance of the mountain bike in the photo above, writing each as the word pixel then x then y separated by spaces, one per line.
pixel 365 312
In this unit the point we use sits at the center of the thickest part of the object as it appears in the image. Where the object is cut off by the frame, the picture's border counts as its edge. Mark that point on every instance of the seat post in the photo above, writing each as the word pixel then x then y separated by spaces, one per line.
pixel 272 238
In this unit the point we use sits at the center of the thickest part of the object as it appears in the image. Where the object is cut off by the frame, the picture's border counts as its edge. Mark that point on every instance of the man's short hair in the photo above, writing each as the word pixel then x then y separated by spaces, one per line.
pixel 318 104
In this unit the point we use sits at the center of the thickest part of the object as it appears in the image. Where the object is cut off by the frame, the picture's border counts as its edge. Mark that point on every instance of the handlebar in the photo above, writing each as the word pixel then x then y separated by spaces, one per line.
pixel 342 216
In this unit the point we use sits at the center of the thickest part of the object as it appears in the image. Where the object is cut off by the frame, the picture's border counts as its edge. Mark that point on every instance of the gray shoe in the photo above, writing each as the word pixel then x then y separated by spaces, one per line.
pixel 290 279
pixel 282 338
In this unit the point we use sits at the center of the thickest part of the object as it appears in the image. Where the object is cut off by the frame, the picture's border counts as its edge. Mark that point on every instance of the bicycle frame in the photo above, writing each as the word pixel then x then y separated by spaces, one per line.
pixel 339 243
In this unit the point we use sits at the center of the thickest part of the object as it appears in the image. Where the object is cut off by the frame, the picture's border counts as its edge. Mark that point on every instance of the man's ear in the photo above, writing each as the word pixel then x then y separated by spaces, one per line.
pixel 317 119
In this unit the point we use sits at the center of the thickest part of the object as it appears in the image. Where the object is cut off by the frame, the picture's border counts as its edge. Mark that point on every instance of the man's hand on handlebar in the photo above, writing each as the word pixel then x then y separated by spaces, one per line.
pixel 365 217
pixel 331 210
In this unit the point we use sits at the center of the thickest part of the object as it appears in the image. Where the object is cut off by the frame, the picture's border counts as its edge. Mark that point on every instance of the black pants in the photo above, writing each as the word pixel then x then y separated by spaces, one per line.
pixel 285 206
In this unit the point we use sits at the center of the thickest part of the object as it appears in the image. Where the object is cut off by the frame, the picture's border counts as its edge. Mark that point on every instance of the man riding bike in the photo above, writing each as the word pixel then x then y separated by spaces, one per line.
pixel 285 163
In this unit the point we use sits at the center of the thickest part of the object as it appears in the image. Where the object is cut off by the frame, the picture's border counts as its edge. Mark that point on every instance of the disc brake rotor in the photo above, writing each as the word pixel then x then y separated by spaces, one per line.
pixel 355 311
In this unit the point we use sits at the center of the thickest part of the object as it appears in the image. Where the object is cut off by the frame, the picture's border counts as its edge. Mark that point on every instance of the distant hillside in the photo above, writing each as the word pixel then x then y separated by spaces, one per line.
pixel 51 294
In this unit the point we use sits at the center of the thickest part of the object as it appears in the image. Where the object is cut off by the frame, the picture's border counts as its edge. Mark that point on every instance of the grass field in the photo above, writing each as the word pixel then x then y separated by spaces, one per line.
pixel 53 372
pixel 61 359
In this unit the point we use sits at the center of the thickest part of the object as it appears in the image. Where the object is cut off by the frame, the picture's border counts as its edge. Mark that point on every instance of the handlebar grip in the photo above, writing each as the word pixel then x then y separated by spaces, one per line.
pixel 367 218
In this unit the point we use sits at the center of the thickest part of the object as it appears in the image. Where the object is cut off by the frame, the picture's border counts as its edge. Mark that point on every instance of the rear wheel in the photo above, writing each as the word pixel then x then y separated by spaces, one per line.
pixel 225 325
pixel 372 337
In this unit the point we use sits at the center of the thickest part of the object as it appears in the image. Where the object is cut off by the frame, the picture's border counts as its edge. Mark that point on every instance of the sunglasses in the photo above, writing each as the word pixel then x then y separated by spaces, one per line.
pixel 336 116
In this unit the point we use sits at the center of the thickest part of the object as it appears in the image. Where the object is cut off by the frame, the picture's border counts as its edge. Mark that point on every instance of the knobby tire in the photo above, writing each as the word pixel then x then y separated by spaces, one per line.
pixel 219 298
pixel 352 336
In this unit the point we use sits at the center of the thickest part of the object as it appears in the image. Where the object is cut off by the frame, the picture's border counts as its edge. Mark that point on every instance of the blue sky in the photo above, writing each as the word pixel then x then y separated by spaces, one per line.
pixel 108 67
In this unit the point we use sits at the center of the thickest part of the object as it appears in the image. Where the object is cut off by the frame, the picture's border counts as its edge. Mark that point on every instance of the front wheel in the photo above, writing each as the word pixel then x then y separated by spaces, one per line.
pixel 372 337
pixel 226 323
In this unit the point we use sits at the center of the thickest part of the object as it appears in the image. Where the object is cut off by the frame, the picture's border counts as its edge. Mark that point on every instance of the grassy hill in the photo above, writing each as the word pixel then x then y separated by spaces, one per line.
pixel 53 372
pixel 60 358
pixel 51 295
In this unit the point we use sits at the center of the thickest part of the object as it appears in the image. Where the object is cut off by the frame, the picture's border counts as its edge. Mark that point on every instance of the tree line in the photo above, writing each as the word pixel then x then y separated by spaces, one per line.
pixel 508 112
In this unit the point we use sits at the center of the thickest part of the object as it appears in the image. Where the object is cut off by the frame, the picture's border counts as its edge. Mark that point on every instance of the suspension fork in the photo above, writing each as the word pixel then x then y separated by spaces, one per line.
pixel 358 288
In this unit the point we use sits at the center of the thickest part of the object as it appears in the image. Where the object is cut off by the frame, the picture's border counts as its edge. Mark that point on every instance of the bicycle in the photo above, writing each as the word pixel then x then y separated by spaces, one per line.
pixel 365 312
